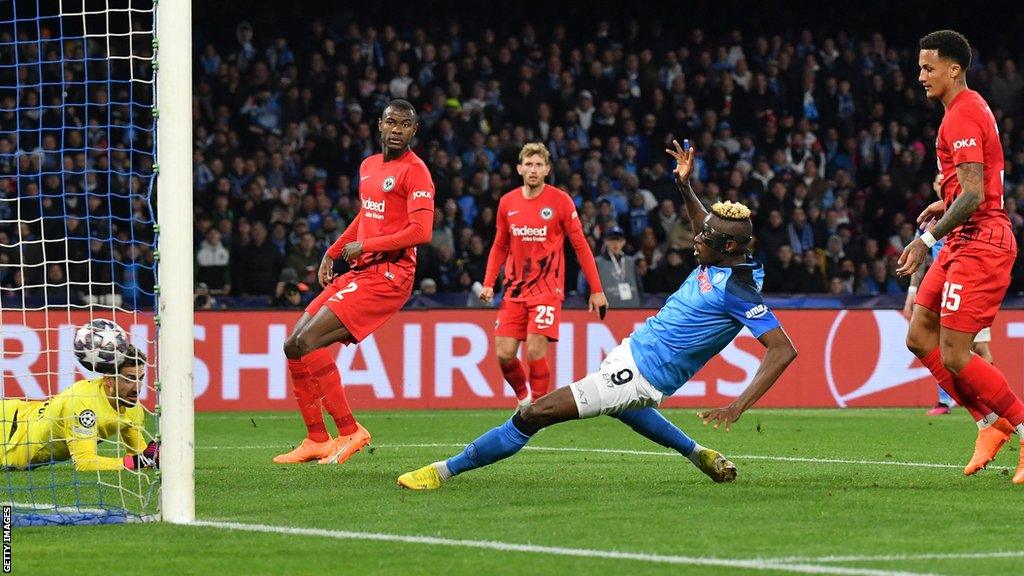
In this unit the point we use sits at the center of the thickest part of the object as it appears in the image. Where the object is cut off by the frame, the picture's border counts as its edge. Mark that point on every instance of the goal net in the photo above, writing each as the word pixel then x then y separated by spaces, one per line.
pixel 78 243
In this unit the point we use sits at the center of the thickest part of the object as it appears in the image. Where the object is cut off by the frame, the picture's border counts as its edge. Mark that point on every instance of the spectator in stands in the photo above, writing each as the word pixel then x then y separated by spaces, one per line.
pixel 213 263
pixel 258 265
pixel 783 274
pixel 618 271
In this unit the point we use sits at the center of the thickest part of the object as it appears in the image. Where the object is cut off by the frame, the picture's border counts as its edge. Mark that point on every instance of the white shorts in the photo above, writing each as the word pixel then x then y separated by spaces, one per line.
pixel 983 336
pixel 616 386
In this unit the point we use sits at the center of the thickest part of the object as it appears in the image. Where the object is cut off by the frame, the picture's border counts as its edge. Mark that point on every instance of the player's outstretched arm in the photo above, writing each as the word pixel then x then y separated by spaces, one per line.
pixel 86 459
pixel 683 156
pixel 781 353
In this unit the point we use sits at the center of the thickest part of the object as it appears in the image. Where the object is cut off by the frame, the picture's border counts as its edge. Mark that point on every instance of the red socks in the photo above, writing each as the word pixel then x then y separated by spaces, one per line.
pixel 325 371
pixel 308 399
pixel 540 377
pixel 993 389
pixel 965 398
pixel 515 376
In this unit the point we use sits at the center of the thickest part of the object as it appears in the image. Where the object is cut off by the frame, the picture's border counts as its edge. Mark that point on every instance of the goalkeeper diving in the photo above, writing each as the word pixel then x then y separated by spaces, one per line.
pixel 68 426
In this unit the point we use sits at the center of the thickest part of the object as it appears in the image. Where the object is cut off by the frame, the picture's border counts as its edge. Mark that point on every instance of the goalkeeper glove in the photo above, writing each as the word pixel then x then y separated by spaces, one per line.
pixel 149 458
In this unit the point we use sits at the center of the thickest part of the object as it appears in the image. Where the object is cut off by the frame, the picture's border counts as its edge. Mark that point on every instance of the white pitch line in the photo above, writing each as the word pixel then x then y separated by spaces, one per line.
pixel 652 453
pixel 906 557
pixel 757 564
pixel 368 415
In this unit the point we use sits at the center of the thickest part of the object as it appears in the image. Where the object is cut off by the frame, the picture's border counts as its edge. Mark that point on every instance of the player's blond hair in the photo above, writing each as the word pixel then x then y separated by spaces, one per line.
pixel 730 210
pixel 533 149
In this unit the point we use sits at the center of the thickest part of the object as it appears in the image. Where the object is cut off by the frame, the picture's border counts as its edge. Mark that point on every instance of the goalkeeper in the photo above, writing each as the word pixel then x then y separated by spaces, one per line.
pixel 69 425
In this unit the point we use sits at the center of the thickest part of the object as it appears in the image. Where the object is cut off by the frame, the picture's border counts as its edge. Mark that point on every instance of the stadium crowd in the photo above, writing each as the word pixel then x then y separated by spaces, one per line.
pixel 828 138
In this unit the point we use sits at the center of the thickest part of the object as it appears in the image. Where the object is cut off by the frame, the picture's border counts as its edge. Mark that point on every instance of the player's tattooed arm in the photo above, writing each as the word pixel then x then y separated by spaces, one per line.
pixel 971 176
pixel 683 156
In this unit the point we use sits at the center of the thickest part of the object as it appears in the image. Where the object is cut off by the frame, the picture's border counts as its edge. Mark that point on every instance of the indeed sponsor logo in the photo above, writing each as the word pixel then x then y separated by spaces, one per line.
pixel 373 209
pixel 530 234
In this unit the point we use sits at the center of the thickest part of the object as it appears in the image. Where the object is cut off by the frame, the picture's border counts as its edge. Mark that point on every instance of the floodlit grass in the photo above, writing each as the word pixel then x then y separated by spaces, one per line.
pixel 789 505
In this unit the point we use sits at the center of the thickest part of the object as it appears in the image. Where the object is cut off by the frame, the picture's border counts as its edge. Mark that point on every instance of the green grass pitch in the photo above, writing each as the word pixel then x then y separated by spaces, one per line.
pixel 818 492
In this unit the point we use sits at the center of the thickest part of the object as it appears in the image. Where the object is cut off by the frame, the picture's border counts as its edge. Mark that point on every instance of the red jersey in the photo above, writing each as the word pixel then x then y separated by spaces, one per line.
pixel 530 243
pixel 390 192
pixel 969 134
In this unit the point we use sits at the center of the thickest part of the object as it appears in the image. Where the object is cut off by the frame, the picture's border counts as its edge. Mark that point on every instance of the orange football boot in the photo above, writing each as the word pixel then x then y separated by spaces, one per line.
pixel 307 451
pixel 343 447
pixel 1018 477
pixel 989 441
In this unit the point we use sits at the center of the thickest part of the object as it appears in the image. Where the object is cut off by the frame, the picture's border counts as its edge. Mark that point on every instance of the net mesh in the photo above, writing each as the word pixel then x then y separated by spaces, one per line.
pixel 77 243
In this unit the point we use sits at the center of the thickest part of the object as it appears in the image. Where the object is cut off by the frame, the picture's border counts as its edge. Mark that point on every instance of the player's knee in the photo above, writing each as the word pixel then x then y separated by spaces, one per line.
pixel 919 343
pixel 539 414
pixel 298 345
pixel 536 352
pixel 955 360
pixel 505 358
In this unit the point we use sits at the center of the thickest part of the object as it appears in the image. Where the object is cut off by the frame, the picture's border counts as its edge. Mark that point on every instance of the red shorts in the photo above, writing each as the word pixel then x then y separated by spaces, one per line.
pixel 966 285
pixel 364 299
pixel 535 316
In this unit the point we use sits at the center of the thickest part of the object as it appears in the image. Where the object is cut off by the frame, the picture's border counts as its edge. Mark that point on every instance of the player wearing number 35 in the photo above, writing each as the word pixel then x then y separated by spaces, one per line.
pixel 962 291
pixel 718 299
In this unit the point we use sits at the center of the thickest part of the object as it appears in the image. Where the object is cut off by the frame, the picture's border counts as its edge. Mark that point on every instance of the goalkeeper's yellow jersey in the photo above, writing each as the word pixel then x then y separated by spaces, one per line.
pixel 68 426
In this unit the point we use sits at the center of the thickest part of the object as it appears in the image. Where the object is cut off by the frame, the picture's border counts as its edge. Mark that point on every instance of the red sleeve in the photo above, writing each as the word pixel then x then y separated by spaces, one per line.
pixel 965 138
pixel 420 189
pixel 349 235
pixel 499 250
pixel 421 225
pixel 574 230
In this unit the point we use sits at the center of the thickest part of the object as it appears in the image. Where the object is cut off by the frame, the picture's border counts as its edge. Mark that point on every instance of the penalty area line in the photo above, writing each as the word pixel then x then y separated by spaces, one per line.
pixel 755 564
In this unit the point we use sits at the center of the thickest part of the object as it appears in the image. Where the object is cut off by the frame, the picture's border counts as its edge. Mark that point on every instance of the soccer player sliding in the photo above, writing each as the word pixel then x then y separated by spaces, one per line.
pixel 720 297
pixel 962 291
pixel 397 214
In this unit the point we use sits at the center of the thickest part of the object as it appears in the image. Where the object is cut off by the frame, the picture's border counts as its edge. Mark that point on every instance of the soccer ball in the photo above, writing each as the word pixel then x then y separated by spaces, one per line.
pixel 100 346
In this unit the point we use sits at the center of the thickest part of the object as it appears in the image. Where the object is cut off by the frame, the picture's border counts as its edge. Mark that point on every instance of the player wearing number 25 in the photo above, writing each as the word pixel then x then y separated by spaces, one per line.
pixel 962 291
pixel 533 222
pixel 397 214
pixel 719 298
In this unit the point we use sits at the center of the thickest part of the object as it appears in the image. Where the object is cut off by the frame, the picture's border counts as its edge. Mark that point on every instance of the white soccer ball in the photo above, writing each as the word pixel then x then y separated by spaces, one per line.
pixel 100 346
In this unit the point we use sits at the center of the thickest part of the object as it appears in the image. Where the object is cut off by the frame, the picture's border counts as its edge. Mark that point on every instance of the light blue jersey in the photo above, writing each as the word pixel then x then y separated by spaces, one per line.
pixel 698 321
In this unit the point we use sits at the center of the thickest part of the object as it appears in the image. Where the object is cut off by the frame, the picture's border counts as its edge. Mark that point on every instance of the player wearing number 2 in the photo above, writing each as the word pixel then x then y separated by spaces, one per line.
pixel 718 299
pixel 533 222
pixel 397 214
pixel 963 289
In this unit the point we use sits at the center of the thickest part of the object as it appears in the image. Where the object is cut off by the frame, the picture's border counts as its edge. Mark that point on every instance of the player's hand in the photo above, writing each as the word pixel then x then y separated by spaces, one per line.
pixel 908 306
pixel 598 302
pixel 683 155
pixel 934 211
pixel 352 251
pixel 149 458
pixel 912 257
pixel 720 416
pixel 326 273
pixel 487 294
pixel 937 184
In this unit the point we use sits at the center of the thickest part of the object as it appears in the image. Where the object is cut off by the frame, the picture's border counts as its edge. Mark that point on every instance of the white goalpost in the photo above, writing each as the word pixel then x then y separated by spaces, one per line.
pixel 96 229
pixel 173 64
